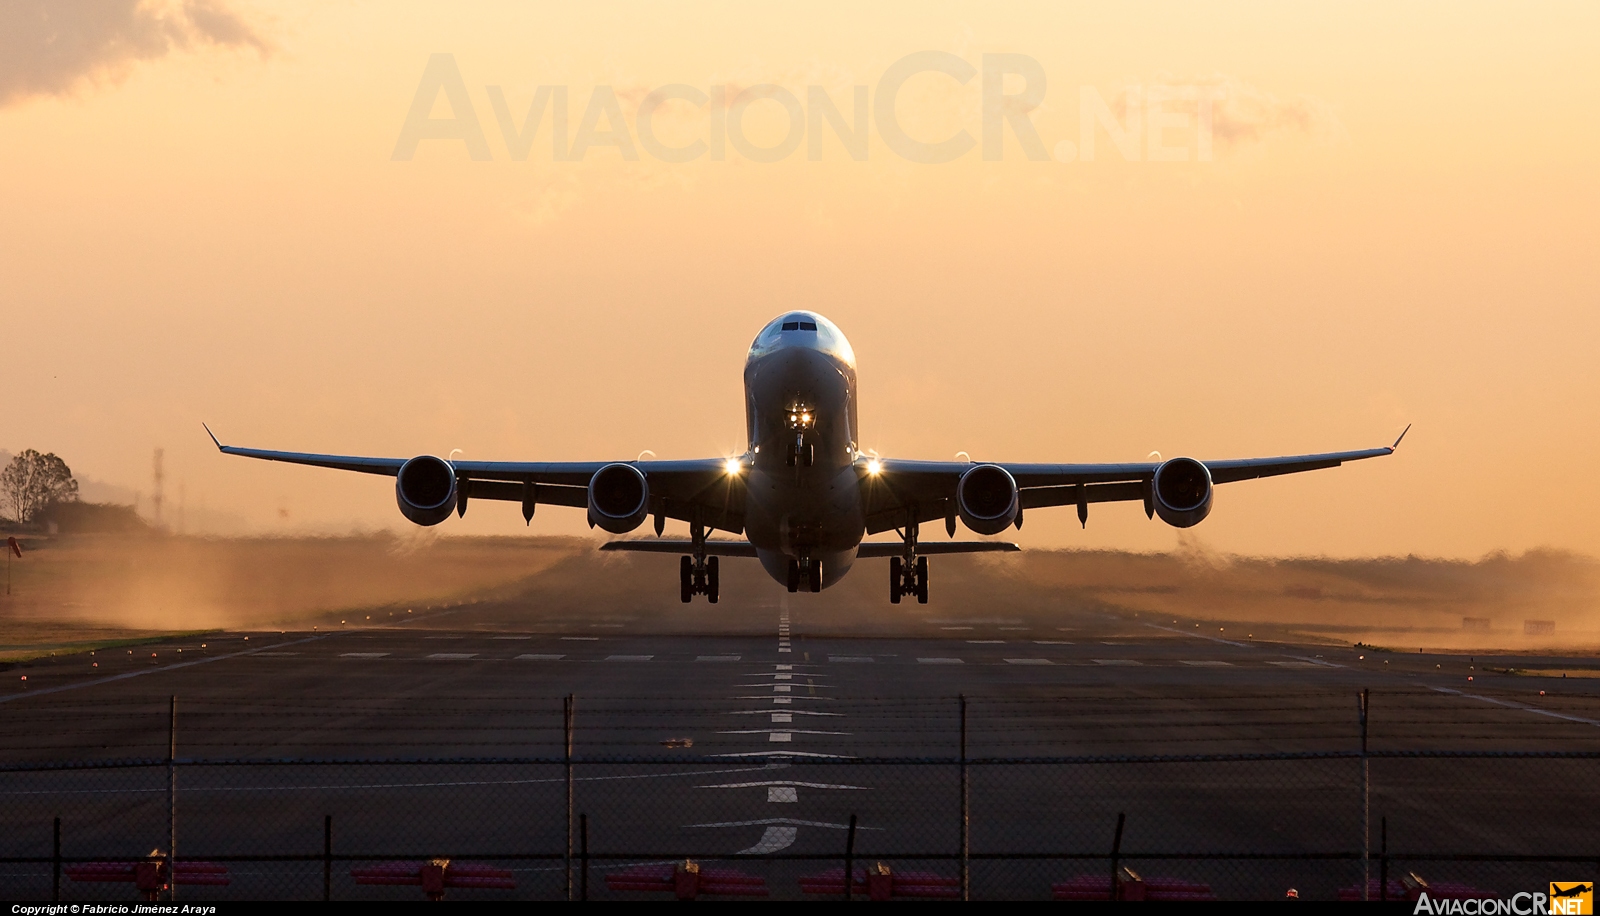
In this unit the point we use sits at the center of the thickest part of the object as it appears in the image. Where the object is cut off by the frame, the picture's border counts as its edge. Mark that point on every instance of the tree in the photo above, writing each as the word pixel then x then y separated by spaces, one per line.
pixel 32 483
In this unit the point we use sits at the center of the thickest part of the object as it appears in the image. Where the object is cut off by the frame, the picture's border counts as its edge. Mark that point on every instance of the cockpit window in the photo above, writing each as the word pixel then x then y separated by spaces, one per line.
pixel 819 334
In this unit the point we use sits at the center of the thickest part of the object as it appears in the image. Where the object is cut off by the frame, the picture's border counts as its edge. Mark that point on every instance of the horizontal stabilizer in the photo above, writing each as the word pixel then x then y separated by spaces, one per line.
pixel 714 548
pixel 874 549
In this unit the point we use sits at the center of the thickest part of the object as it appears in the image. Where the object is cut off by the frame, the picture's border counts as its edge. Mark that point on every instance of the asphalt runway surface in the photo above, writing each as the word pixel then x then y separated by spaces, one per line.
pixel 764 744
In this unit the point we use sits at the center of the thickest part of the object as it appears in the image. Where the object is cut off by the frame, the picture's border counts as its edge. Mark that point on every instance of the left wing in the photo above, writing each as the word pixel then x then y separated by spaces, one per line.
pixel 692 490
pixel 925 490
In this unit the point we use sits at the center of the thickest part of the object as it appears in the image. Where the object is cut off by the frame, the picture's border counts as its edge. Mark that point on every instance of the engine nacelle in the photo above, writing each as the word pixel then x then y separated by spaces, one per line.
pixel 425 488
pixel 986 499
pixel 619 498
pixel 1182 492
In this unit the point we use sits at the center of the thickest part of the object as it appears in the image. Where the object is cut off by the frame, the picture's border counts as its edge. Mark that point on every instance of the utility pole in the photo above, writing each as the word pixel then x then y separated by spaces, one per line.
pixel 157 476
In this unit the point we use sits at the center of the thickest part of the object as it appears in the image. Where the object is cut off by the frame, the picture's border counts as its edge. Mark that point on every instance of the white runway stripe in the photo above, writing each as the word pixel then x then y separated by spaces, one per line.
pixel 716 658
pixel 454 656
pixel 629 658
pixel 542 658
pixel 1116 661
pixel 1029 661
pixel 1209 663
pixel 941 661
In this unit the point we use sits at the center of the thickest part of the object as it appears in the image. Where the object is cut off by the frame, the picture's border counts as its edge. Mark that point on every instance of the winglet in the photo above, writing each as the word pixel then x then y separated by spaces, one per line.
pixel 1402 436
pixel 214 436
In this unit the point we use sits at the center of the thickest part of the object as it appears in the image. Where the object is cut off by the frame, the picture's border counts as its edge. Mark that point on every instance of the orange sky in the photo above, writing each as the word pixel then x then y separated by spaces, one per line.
pixel 201 219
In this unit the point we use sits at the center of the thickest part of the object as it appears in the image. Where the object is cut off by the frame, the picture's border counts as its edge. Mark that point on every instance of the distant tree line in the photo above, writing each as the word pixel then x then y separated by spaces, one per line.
pixel 32 483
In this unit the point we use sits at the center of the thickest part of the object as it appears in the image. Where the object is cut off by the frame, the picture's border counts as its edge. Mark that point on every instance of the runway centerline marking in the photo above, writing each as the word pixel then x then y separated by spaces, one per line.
pixel 581 638
pixel 542 658
pixel 941 661
pixel 1052 642
pixel 780 782
pixel 1116 661
pixel 629 658
pixel 1208 663
pixel 782 794
pixel 364 655
pixel 454 656
pixel 1029 661
pixel 777 731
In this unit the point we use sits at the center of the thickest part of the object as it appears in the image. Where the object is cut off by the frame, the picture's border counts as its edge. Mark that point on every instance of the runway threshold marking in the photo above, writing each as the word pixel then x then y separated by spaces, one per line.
pixel 172 667
pixel 1512 704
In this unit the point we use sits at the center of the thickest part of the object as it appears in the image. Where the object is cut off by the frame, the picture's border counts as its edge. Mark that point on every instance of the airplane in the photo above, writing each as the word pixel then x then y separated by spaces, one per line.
pixel 804 494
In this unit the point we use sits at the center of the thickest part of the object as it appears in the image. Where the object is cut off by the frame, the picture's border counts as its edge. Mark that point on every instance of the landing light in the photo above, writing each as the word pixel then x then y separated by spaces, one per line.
pixel 733 467
pixel 873 467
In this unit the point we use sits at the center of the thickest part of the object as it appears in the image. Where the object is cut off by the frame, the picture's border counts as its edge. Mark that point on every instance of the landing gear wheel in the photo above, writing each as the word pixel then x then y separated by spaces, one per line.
pixel 814 576
pixel 895 575
pixel 711 579
pixel 794 576
pixel 686 579
pixel 922 580
pixel 806 455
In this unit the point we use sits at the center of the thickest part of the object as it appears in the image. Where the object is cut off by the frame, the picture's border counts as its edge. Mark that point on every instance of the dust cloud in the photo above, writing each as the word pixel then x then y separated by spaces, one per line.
pixel 94 587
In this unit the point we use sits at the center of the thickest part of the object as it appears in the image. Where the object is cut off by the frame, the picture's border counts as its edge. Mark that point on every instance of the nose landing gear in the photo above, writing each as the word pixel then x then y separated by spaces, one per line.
pixel 810 574
pixel 697 575
pixel 908 575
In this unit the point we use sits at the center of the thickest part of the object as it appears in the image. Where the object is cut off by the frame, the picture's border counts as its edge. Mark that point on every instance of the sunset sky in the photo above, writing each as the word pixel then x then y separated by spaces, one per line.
pixel 203 218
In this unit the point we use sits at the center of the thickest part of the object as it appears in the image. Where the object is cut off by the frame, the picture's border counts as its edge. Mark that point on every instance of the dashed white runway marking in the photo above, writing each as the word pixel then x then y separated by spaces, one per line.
pixel 774 839
pixel 1315 661
pixel 1209 663
pixel 783 717
pixel 849 658
pixel 779 736
pixel 454 656
pixel 1052 642
pixel 941 661
pixel 783 755
pixel 782 794
pixel 780 782
pixel 778 731
pixel 783 667
pixel 1015 628
pixel 364 655
pixel 778 700
pixel 1116 661
pixel 582 638
pixel 789 712
pixel 716 658
pixel 783 677
pixel 542 658
pixel 629 658
pixel 782 688
pixel 1029 661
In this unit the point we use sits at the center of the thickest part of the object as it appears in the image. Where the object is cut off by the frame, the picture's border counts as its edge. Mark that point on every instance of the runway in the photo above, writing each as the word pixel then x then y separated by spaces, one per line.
pixel 763 744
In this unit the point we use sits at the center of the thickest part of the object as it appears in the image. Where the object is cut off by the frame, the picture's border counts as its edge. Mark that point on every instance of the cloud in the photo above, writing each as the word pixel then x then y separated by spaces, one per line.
pixel 51 47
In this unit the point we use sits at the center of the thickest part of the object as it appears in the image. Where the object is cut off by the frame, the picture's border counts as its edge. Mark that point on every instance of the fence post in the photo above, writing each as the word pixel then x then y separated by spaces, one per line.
pixel 1383 861
pixel 327 857
pixel 583 856
pixel 1366 806
pixel 1116 856
pixel 566 732
pixel 55 865
pixel 172 797
pixel 966 810
pixel 850 859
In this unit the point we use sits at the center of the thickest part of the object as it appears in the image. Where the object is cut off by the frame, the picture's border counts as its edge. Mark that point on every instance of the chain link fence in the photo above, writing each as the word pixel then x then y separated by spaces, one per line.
pixel 788 823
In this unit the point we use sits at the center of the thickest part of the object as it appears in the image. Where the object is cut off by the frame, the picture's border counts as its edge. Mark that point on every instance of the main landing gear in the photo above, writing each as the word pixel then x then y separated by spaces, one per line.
pixel 697 575
pixel 809 573
pixel 908 574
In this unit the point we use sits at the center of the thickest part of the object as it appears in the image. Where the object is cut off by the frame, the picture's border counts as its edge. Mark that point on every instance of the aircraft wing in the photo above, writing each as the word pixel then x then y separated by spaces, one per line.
pixel 926 489
pixel 685 490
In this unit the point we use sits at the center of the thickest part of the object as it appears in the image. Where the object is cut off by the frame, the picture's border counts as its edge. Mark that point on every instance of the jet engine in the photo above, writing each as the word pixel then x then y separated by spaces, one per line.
pixel 986 498
pixel 619 498
pixel 425 488
pixel 1182 492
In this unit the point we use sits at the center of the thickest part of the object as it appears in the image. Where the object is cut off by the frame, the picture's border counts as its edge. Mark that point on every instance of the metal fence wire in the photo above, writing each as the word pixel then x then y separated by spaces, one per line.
pixel 1359 821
